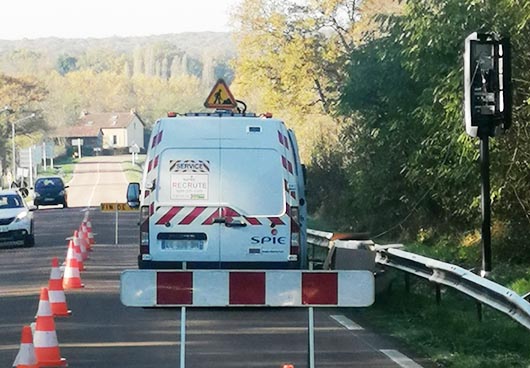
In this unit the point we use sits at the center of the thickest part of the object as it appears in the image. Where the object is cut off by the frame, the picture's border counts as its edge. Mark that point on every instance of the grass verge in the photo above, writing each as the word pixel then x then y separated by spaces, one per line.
pixel 63 168
pixel 450 333
pixel 133 173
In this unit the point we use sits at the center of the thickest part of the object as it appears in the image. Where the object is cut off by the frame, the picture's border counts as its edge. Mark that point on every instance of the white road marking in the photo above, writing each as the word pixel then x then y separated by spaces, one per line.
pixel 400 359
pixel 346 322
pixel 94 188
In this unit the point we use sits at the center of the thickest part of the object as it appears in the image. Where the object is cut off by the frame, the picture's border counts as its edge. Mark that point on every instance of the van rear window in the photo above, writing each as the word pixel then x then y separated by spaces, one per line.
pixel 252 180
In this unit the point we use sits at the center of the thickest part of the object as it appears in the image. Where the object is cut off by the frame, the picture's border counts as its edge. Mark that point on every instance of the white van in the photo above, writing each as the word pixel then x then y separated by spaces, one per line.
pixel 221 190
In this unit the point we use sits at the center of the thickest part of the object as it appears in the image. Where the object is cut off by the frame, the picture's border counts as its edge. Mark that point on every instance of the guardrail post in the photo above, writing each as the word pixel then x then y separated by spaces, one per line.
pixel 438 294
pixel 407 282
pixel 479 312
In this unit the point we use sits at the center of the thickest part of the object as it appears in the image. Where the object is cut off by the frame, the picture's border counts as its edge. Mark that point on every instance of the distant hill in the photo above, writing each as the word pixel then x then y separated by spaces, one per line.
pixel 161 55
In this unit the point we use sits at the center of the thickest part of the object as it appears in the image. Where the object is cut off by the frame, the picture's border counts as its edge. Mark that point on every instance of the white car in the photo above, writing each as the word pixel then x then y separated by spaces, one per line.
pixel 16 218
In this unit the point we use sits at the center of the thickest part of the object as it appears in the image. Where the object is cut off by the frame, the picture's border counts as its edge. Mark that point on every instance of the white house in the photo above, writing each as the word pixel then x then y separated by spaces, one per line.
pixel 107 130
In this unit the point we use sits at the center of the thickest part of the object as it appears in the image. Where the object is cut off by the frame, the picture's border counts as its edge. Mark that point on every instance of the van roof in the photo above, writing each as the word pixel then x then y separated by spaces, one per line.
pixel 225 118
pixel 257 132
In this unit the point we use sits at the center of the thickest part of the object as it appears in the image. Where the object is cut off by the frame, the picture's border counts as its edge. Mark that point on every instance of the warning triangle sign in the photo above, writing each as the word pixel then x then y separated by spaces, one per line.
pixel 220 97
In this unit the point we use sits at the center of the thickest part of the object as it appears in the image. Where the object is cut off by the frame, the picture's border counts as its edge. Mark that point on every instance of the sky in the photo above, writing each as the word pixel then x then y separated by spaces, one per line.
pixel 105 18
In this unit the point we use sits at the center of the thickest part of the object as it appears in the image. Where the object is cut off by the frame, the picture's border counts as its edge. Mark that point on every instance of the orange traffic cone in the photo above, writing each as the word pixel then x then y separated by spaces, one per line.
pixel 83 235
pixel 71 278
pixel 91 239
pixel 79 243
pixel 26 357
pixel 45 338
pixel 79 254
pixel 56 292
pixel 76 252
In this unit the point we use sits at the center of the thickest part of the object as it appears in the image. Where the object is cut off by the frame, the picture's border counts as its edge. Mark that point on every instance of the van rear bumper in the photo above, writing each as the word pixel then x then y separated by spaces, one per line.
pixel 160 265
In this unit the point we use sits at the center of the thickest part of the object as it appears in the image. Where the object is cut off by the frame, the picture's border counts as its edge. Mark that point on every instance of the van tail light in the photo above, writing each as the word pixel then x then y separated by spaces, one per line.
pixel 295 234
pixel 144 230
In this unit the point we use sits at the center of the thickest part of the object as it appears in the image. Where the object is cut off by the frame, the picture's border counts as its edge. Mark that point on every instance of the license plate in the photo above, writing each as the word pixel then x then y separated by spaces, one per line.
pixel 182 244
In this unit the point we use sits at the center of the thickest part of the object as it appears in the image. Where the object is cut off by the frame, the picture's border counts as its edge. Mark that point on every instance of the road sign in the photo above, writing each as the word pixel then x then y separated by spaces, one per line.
pixel 220 97
pixel 134 148
pixel 77 142
pixel 24 155
pixel 50 149
pixel 271 288
pixel 113 207
pixel 30 156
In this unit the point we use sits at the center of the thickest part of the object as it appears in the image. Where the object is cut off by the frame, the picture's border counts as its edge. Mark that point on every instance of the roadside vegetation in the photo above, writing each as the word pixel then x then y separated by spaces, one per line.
pixel 450 334
pixel 63 167
pixel 133 172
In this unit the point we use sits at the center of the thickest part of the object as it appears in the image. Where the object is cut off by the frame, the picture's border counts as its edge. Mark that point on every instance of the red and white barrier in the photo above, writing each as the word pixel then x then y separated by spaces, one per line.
pixel 221 288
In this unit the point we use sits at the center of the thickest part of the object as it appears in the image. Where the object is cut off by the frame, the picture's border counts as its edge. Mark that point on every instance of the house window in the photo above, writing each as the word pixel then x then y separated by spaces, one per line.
pixel 114 139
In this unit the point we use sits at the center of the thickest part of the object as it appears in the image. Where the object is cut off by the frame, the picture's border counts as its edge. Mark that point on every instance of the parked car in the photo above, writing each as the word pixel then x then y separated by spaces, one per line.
pixel 16 218
pixel 50 190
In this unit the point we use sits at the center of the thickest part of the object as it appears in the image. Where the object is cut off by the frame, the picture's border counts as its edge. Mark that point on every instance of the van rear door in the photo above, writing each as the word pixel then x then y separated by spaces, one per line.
pixel 187 195
pixel 256 228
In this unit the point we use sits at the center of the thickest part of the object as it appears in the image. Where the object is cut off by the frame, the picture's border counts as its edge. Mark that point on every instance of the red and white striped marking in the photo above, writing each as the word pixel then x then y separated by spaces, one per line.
pixel 284 141
pixel 205 216
pixel 221 288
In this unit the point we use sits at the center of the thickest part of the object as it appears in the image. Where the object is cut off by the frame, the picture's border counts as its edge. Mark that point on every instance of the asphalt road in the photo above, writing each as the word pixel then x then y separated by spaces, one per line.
pixel 102 333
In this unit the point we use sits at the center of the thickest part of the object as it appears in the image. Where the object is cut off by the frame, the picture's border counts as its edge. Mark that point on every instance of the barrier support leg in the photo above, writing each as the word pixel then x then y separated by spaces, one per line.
pixel 311 339
pixel 438 294
pixel 182 337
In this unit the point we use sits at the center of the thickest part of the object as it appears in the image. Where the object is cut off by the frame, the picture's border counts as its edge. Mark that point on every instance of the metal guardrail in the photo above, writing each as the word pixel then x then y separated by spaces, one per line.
pixel 481 289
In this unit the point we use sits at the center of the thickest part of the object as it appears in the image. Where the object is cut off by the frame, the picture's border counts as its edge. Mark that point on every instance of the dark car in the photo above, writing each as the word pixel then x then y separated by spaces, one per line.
pixel 50 190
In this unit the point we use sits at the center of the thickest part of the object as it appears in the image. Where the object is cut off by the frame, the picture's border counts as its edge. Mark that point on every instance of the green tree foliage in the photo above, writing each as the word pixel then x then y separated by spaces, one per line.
pixel 411 163
pixel 20 97
pixel 66 64
pixel 290 57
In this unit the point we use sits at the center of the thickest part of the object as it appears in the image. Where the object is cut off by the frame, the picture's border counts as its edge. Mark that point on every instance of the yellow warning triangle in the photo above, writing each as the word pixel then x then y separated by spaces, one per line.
pixel 220 97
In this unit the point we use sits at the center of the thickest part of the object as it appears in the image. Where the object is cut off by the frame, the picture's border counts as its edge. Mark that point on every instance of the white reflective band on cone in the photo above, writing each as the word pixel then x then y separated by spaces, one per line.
pixel 45 339
pixel 28 351
pixel 45 310
pixel 56 296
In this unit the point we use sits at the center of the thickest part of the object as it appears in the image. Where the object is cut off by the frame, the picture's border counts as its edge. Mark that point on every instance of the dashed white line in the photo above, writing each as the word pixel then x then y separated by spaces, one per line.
pixel 346 322
pixel 400 359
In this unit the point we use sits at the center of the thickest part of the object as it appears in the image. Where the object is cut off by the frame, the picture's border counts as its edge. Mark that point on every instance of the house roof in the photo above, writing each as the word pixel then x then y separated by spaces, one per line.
pixel 90 124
